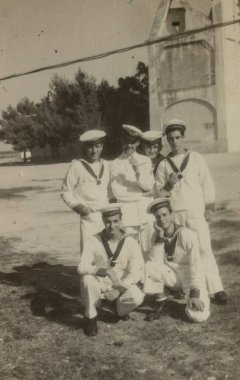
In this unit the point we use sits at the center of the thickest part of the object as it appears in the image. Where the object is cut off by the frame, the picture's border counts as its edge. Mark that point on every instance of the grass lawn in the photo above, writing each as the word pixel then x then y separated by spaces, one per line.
pixel 41 315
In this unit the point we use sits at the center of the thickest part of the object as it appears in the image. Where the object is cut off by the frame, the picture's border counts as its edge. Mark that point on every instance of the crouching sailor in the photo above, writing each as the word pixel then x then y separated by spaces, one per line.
pixel 111 267
pixel 175 262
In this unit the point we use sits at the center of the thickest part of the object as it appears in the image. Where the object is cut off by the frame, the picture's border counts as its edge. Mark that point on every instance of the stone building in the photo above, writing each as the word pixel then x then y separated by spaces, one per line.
pixel 197 78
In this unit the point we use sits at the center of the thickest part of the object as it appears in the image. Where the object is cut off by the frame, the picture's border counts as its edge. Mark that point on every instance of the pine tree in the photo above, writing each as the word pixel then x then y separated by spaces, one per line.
pixel 18 126
pixel 128 103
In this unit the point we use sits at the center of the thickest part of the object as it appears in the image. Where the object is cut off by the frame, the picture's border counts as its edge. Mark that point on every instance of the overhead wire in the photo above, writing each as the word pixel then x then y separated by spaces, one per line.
pixel 123 50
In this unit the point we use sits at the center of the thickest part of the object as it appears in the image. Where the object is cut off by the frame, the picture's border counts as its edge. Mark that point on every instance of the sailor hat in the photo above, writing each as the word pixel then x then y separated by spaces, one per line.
pixel 131 130
pixel 174 124
pixel 92 136
pixel 152 136
pixel 111 209
pixel 157 204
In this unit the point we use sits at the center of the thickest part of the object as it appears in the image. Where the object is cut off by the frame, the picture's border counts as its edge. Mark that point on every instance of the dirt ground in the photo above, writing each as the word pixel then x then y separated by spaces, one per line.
pixel 41 315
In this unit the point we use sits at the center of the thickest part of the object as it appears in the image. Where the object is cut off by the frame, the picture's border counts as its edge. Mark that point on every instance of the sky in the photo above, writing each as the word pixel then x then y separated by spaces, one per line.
pixel 36 33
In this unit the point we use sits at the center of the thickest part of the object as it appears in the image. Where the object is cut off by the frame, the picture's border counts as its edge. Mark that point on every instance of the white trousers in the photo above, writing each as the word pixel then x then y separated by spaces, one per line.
pixel 143 235
pixel 90 225
pixel 92 291
pixel 200 226
pixel 165 276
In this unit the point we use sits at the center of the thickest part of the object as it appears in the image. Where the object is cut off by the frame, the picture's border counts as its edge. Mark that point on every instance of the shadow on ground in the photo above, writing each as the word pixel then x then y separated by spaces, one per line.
pixel 172 308
pixel 6 244
pixel 14 192
pixel 54 295
pixel 233 225
pixel 54 291
pixel 225 232
pixel 231 258
pixel 47 180
pixel 35 163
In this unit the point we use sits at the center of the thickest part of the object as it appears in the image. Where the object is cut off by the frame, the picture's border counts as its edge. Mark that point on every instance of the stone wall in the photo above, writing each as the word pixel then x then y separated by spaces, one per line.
pixel 195 78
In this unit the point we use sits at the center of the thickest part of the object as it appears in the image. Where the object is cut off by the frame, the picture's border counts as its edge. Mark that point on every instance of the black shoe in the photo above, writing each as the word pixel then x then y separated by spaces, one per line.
pixel 91 328
pixel 156 314
pixel 221 298
pixel 152 317
pixel 179 296
pixel 124 318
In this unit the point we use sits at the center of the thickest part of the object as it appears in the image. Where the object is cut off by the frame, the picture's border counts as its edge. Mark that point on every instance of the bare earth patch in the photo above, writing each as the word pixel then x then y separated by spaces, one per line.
pixel 41 315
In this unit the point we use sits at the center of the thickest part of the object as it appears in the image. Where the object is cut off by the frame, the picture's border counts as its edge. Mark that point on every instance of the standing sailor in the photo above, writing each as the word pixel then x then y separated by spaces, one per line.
pixel 176 263
pixel 151 146
pixel 85 187
pixel 111 267
pixel 184 176
pixel 131 180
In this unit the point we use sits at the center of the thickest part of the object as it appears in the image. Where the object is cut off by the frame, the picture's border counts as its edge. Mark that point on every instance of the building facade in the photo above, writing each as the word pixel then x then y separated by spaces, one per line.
pixel 196 78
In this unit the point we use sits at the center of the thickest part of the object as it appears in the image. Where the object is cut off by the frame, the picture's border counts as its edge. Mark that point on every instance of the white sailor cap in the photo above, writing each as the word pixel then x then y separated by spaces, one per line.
pixel 157 204
pixel 152 136
pixel 92 136
pixel 111 209
pixel 174 124
pixel 131 130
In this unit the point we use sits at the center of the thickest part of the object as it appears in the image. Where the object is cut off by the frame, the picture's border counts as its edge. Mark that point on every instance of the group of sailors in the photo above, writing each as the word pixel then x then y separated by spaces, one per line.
pixel 143 223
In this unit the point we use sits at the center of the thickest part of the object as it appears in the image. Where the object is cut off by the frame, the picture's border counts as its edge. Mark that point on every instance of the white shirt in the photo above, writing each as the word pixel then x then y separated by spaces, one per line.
pixel 80 187
pixel 186 262
pixel 194 190
pixel 129 264
pixel 129 190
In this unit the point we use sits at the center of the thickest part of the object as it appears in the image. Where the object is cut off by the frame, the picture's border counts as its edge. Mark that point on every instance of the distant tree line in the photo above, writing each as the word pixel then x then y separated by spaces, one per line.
pixel 72 107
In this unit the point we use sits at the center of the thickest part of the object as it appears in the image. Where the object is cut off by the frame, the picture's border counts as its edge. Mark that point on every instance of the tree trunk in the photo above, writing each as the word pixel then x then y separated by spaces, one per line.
pixel 24 156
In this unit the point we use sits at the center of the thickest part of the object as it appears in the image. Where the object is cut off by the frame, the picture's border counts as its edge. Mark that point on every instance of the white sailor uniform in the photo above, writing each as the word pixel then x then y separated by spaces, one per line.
pixel 180 270
pixel 189 197
pixel 127 264
pixel 132 193
pixel 87 184
pixel 153 137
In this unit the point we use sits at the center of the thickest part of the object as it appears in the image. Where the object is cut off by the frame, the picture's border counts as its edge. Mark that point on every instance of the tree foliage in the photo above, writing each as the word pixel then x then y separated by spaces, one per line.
pixel 18 126
pixel 134 97
pixel 72 107
pixel 128 103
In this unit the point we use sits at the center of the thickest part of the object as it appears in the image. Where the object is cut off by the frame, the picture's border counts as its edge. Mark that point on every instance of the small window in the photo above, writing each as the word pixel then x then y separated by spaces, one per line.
pixel 176 20
pixel 176 24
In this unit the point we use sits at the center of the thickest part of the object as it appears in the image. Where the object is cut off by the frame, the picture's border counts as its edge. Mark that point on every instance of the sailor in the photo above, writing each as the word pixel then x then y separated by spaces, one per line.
pixel 184 175
pixel 111 268
pixel 85 187
pixel 131 180
pixel 151 146
pixel 176 263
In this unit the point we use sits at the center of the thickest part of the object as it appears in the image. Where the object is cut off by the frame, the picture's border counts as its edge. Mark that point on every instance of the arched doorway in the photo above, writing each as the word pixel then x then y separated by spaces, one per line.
pixel 200 118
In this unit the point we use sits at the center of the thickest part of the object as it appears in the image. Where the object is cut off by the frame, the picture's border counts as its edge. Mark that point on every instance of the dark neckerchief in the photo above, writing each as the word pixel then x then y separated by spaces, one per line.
pixel 112 255
pixel 183 164
pixel 170 243
pixel 156 162
pixel 90 171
